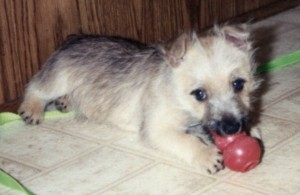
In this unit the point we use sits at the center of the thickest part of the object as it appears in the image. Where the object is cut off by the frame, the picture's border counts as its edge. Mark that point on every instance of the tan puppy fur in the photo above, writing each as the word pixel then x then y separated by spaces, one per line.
pixel 159 91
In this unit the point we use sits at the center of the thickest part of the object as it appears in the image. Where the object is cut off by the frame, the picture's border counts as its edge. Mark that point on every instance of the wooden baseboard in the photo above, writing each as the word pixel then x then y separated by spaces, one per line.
pixel 11 106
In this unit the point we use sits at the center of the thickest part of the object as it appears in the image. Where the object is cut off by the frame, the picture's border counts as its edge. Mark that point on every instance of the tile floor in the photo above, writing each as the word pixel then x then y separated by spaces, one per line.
pixel 61 157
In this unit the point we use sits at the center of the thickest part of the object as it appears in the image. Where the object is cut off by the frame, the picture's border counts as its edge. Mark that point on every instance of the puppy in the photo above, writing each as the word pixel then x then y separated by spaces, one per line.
pixel 160 91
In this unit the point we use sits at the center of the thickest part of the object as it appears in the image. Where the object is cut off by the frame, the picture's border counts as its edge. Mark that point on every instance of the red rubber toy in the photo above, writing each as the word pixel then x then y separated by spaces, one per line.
pixel 241 152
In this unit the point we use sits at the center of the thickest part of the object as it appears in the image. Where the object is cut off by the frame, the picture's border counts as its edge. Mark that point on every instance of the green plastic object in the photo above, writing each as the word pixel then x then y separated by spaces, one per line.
pixel 281 62
pixel 11 184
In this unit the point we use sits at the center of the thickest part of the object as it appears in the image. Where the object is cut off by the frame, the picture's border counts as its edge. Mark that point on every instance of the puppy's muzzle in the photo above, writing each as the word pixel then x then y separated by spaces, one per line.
pixel 230 125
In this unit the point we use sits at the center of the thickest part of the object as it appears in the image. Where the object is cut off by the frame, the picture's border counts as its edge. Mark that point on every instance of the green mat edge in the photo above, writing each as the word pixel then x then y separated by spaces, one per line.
pixel 6 117
pixel 11 183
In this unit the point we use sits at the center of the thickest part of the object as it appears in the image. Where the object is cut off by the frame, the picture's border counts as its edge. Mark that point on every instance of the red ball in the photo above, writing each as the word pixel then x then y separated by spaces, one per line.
pixel 241 152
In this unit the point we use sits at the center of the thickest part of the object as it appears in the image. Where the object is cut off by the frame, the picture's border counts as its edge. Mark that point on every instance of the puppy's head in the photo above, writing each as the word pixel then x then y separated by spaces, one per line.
pixel 213 77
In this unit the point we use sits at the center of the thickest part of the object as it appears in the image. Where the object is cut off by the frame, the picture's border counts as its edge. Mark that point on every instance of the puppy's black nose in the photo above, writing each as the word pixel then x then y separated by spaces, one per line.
pixel 229 126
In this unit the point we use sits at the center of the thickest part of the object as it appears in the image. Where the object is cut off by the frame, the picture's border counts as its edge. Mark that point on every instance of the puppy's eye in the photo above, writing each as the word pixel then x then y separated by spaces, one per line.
pixel 200 94
pixel 238 85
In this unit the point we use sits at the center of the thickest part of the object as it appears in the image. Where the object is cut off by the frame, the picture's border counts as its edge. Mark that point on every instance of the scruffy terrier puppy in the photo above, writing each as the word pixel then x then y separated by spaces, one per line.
pixel 158 90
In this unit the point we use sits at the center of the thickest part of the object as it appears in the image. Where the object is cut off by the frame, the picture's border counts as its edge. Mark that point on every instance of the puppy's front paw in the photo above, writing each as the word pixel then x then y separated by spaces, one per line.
pixel 212 160
pixel 31 115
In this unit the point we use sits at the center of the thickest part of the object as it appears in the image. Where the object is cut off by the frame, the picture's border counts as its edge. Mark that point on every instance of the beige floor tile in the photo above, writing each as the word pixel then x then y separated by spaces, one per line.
pixel 274 43
pixel 161 179
pixel 132 143
pixel 290 16
pixel 276 35
pixel 39 146
pixel 275 130
pixel 279 173
pixel 268 27
pixel 8 191
pixel 101 132
pixel 17 170
pixel 89 173
pixel 286 42
pixel 267 33
pixel 280 83
pixel 297 193
pixel 228 189
pixel 288 108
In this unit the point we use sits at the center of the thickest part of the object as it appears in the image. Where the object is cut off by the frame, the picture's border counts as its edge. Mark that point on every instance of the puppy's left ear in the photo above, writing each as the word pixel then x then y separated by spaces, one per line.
pixel 238 35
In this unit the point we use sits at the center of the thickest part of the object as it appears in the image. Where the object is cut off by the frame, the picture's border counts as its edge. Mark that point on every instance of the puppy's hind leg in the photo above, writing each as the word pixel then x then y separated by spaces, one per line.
pixel 63 104
pixel 39 93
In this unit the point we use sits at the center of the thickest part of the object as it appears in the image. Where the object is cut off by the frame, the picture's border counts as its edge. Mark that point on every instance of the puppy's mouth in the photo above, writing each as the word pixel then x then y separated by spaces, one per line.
pixel 227 126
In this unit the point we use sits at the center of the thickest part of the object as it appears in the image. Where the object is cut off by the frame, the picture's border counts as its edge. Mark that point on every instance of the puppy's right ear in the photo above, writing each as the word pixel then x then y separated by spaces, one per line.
pixel 177 49
pixel 238 35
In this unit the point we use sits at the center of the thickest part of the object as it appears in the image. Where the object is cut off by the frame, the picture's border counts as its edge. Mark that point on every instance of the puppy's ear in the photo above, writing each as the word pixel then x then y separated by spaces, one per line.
pixel 177 49
pixel 237 35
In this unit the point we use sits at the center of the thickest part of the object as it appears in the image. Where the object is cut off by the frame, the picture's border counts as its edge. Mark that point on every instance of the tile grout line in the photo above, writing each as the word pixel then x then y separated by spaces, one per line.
pixel 252 188
pixel 126 178
pixel 280 98
pixel 157 161
pixel 73 134
pixel 283 143
pixel 28 164
pixel 277 117
pixel 160 160
pixel 222 180
pixel 226 179
pixel 47 170
pixel 89 138
pixel 69 133
pixel 184 166
pixel 207 187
